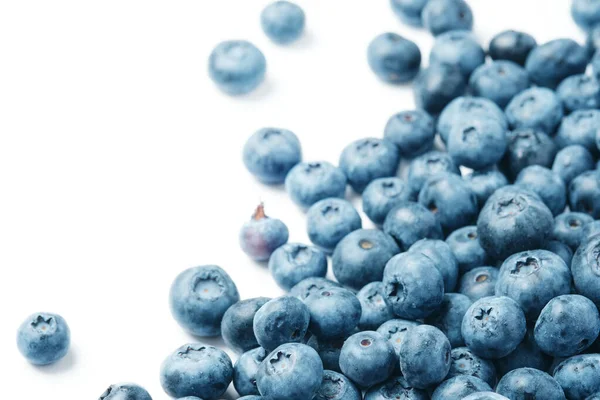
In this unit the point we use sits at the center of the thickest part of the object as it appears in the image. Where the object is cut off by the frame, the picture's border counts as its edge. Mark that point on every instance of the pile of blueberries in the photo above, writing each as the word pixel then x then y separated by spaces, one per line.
pixel 484 279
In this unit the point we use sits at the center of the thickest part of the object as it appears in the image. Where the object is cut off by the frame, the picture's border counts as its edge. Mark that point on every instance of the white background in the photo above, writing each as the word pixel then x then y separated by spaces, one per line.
pixel 120 161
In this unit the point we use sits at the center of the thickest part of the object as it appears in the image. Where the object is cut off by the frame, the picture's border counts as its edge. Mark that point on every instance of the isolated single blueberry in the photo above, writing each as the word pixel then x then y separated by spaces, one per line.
pixel 527 146
pixel 499 81
pixel 367 358
pixel 393 58
pixel 448 318
pixel 536 107
pixel 572 161
pixel 459 387
pixel 237 67
pixel 485 182
pixel 438 85
pixel 236 327
pixel 579 92
pixel 524 383
pixel 281 320
pixel 479 282
pixel 548 64
pixel 411 131
pixel 465 362
pixel 395 388
pixel 511 45
pixel 383 194
pixel 469 254
pixel 262 235
pixel 329 221
pixel 245 369
pixel 546 184
pixel 578 376
pixel 409 222
pixel 375 308
pixel 427 166
pixel 283 21
pixel 294 262
pixel 582 128
pixel 409 11
pixel 394 331
pixel 584 193
pixel 44 338
pixel 309 182
pixel 441 16
pixel 334 312
pixel 336 386
pixel 477 145
pixel 126 391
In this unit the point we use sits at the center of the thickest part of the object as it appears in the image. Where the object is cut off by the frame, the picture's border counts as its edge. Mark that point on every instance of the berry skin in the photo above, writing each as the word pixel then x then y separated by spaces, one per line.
pixel 585 267
pixel 262 235
pixel 294 262
pixel 396 388
pixel 410 222
pixel 383 194
pixel 237 67
pixel 527 382
pixel 572 161
pixel 413 132
pixel 548 64
pixel 128 391
pixel 585 13
pixel 441 16
pixel 467 250
pixel 270 153
pixel 307 183
pixel 441 254
pixel 580 127
pixel 584 193
pixel 512 46
pixel 283 22
pixel 437 85
pixel 560 249
pixel 537 108
pixel 393 58
pixel 458 48
pixel 44 338
pixel 279 321
pixel 236 327
pixel 485 396
pixel 334 312
pixel 579 92
pixel 527 147
pixel 485 182
pixel 409 11
pixel 329 351
pixel 499 81
pixel 427 166
pixel 329 221
pixel 394 331
pixel 310 285
pixel 375 308
pixel 479 282
pixel 546 184
pixel 448 318
pixel 578 376
pixel 465 362
pixel 478 145
pixel 245 369
pixel 459 387
pixel 568 228
pixel 336 386
pixel 527 355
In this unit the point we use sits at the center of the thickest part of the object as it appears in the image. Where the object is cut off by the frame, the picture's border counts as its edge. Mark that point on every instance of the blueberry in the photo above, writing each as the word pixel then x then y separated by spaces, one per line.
pixel 590 229
pixel 438 85
pixel 485 396
pixel 409 11
pixel 584 193
pixel 309 285
pixel 479 282
pixel 329 351
pixel 396 388
pixel 409 222
pixel 579 92
pixel 568 228
pixel 283 22
pixel 44 338
pixel 459 387
pixel 245 369
pixel 572 161
pixel 441 16
pixel 464 243
pixel 560 249
pixel 529 383
pixel 367 358
pixel 580 127
pixel 595 396
pixel 413 285
pixel 199 298
pixel 593 40
pixel 499 81
pixel 548 64
pixel 294 262
pixel 383 194
pixel 441 254
pixel 585 268
pixel 125 391
pixel 527 355
pixel 292 371
pixel 393 58
pixel 513 219
pixel 329 221
pixel 250 397
pixel 375 308
pixel 485 182
pixel 536 107
pixel 595 63
pixel 336 386
pixel 394 331
pixel 465 362
pixel 448 318
pixel 237 67
pixel 360 257
pixel 527 146
pixel 412 132
pixel 585 13
pixel 334 312
pixel 578 376
pixel 424 356
pixel 493 327
pixel 196 370
pixel 546 184
pixel 427 166
pixel 307 183
pixel 511 45
pixel 279 321
pixel 367 159
pixel 560 331
pixel 262 235
pixel 477 145
pixel 270 153
pixel 236 327
pixel 458 48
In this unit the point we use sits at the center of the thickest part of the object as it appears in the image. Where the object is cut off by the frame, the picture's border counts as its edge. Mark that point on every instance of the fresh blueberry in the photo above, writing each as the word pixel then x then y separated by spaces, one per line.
pixel 367 159
pixel 196 370
pixel 292 371
pixel 262 235
pixel 294 262
pixel 568 228
pixel 579 92
pixel 572 161
pixel 585 13
pixel 438 85
pixel 396 388
pixel 465 362
pixel 409 222
pixel 459 387
pixel 310 285
pixel 458 48
pixel 527 355
pixel 427 166
pixel 499 81
pixel 307 183
pixel 485 396
pixel 127 391
pixel 367 358
pixel 329 221
pixel 199 298
pixel 393 58
pixel 478 144
pixel 44 338
pixel 529 383
pixel 485 182
pixel 448 318
pixel 595 396
pixel 585 268
pixel 527 146
pixel 560 249
pixel 424 356
pixel 584 193
pixel 237 67
pixel 336 386
pixel 546 184
pixel 441 16
pixel 270 153
pixel 383 194
pixel 245 369
pixel 479 282
pixel 412 132
pixel 329 351
pixel 494 326
pixel 536 107
pixel 581 127
pixel 593 40
pixel 409 11
pixel 513 219
pixel 560 330
pixel 236 327
pixel 375 308
pixel 394 331
pixel 283 22
pixel 578 376
pixel 279 321
pixel 464 243
pixel 360 257
pixel 334 312
pixel 443 258
pixel 512 45
pixel 548 64
pixel 590 229
pixel 413 285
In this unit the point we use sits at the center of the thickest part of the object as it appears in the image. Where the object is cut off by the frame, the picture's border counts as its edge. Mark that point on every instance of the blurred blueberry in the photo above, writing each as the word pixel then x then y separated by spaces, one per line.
pixel 129 391
pixel 468 110
pixel 579 92
pixel 527 355
pixel 441 16
pixel 590 229
pixel 438 85
pixel 485 182
pixel 485 396
pixel 412 132
pixel 548 64
pixel 537 108
pixel 393 58
pixel 427 166
pixel 568 228
pixel 584 193
pixel 585 13
pixel 458 48
pixel 448 318
pixel 283 21
pixel 459 387
pixel 546 184
pixel 395 388
pixel 237 67
pixel 527 146
pixel 571 161
pixel 270 153
pixel 464 243
pixel 560 249
pixel 585 267
pixel 499 81
pixel 581 127
pixel 512 45
pixel 409 11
